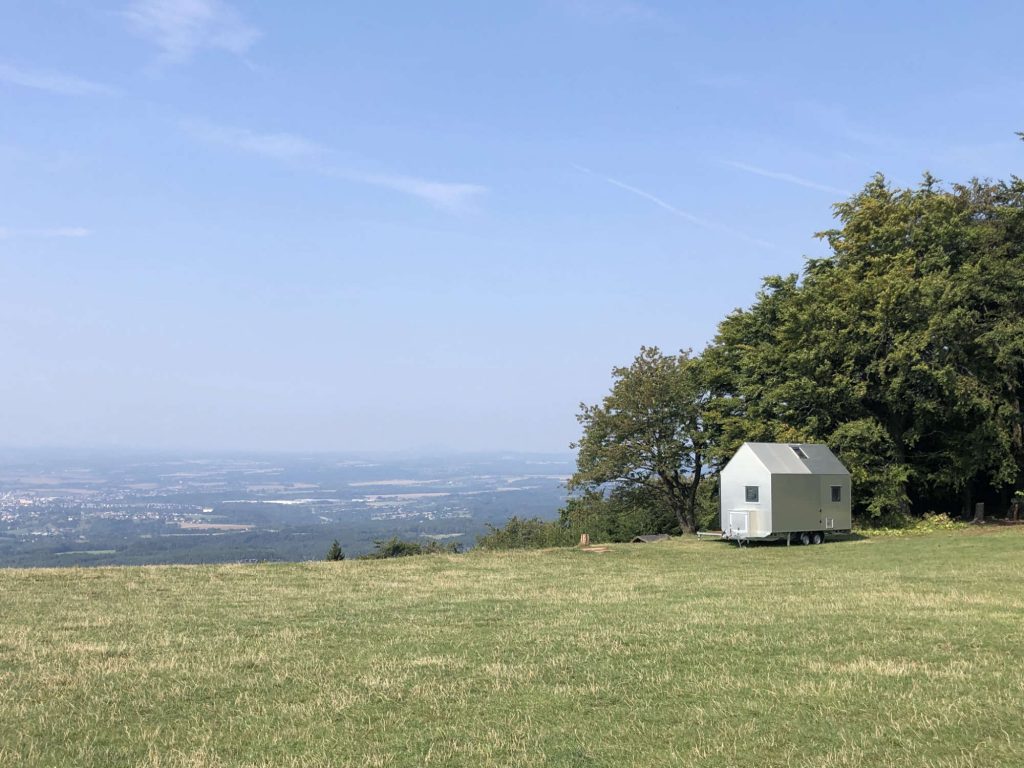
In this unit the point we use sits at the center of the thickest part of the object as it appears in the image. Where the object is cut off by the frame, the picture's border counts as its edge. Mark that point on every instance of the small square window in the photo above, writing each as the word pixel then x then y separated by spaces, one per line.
pixel 837 493
pixel 752 493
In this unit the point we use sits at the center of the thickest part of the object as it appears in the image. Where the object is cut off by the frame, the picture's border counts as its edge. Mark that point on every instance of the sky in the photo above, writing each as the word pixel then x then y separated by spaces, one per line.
pixel 341 226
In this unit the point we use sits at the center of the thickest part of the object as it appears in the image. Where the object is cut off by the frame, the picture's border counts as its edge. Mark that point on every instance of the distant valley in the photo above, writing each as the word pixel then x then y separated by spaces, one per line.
pixel 100 509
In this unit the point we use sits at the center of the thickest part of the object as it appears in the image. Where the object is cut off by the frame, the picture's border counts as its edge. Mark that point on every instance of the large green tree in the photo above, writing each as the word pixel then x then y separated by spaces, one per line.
pixel 903 349
pixel 649 434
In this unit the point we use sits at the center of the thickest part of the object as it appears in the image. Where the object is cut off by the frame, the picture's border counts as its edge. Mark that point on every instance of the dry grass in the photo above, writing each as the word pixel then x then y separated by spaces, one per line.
pixel 881 652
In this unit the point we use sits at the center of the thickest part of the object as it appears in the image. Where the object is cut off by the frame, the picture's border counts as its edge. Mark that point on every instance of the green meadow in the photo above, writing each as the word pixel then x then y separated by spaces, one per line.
pixel 867 652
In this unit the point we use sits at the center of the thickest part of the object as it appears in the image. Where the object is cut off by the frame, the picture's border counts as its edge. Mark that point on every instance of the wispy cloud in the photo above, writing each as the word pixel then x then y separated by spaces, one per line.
pixel 180 28
pixel 54 82
pixel 661 203
pixel 305 154
pixel 277 146
pixel 7 233
pixel 787 177
pixel 451 196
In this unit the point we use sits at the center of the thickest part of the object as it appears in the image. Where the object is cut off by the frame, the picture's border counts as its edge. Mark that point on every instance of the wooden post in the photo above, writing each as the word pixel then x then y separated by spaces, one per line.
pixel 584 539
pixel 979 512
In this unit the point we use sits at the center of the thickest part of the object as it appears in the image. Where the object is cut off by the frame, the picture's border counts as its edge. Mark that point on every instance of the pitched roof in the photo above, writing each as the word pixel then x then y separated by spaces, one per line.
pixel 786 459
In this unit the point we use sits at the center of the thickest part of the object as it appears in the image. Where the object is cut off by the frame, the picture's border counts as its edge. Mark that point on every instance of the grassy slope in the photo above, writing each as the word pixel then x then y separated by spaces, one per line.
pixel 901 652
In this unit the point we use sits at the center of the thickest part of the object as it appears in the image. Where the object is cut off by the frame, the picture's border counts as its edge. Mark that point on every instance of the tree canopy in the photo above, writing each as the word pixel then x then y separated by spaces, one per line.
pixel 649 432
pixel 903 350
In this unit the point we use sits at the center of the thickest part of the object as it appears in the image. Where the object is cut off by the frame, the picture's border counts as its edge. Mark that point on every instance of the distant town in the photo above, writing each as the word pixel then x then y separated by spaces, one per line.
pixel 82 509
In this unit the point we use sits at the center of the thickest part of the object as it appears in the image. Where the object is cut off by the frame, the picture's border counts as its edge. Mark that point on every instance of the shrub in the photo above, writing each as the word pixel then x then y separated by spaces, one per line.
pixel 396 547
pixel 622 513
pixel 526 533
pixel 335 553
pixel 927 524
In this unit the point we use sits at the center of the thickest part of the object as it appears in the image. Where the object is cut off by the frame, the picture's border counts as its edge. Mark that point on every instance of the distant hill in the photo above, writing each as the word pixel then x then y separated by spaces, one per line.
pixel 81 508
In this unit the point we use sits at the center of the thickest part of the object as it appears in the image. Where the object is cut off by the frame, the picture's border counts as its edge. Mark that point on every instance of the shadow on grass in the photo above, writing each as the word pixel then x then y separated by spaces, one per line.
pixel 832 538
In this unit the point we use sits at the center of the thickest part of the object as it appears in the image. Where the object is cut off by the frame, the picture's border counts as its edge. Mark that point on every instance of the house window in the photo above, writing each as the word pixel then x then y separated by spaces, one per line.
pixel 837 493
pixel 799 451
pixel 752 493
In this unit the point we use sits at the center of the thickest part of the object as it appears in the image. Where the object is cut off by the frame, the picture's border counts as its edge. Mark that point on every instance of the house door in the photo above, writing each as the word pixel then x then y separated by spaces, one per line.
pixel 739 524
pixel 831 497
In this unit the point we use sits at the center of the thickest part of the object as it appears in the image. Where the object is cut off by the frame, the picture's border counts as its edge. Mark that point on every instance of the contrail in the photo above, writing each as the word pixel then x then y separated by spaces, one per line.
pixel 711 225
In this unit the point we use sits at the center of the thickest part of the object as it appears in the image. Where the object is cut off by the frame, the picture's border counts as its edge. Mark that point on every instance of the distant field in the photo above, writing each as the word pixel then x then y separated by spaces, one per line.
pixel 877 652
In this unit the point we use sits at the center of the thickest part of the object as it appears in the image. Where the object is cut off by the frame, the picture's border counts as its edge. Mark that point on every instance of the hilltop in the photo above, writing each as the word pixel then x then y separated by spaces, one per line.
pixel 869 652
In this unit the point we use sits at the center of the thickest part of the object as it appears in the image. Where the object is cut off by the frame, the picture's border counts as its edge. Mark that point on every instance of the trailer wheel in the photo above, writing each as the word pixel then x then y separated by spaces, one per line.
pixel 817 538
pixel 805 538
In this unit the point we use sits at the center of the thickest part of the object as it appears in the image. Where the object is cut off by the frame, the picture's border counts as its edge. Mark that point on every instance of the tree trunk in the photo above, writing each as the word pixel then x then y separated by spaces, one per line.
pixel 676 491
pixel 679 505
pixel 698 466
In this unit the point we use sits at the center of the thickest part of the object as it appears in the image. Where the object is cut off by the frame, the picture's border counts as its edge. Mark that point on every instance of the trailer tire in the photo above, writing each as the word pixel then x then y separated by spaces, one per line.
pixel 805 538
pixel 817 538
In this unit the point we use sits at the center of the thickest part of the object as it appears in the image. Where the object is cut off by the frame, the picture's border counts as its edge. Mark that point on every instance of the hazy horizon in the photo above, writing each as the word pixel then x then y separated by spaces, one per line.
pixel 230 226
pixel 199 453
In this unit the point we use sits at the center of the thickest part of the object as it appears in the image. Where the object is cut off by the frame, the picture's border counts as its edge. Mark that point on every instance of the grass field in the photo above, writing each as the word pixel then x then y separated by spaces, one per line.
pixel 877 652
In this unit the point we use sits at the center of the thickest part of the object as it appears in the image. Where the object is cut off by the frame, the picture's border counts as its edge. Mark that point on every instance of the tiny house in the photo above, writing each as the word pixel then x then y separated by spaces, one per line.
pixel 793 491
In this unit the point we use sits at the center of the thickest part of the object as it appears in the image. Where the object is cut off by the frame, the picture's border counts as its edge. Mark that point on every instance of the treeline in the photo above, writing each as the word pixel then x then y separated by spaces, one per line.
pixel 903 351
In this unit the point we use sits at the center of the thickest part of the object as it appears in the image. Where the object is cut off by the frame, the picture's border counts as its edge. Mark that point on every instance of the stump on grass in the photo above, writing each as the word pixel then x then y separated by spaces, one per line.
pixel 584 539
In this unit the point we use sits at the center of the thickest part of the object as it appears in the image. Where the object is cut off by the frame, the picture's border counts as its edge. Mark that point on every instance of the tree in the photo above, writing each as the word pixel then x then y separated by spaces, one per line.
pixel 335 553
pixel 903 349
pixel 648 433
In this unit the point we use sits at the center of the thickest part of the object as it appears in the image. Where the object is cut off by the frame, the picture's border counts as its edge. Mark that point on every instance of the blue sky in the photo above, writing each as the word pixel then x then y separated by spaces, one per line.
pixel 398 225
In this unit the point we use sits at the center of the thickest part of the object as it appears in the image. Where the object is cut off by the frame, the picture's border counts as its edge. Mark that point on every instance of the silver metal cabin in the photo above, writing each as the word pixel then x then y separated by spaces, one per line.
pixel 784 490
